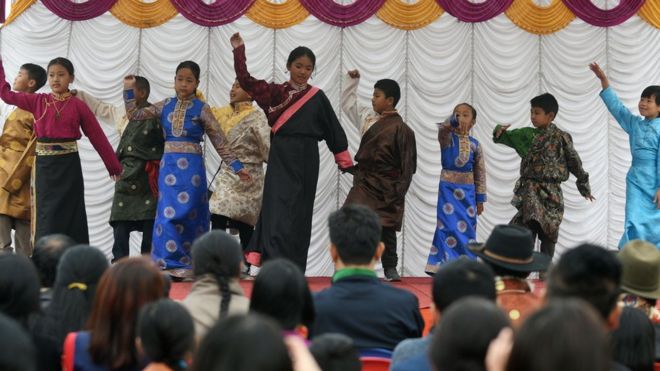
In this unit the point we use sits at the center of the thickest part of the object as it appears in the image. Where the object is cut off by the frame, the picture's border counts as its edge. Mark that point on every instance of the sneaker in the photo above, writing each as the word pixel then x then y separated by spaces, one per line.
pixel 392 275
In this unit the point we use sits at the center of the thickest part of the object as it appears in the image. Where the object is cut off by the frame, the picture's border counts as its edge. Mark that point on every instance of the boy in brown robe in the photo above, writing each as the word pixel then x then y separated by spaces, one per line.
pixel 386 161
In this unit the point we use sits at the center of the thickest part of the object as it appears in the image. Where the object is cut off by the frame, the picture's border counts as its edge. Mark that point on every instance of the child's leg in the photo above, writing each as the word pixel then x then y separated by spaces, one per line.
pixel 121 232
pixel 244 232
pixel 5 232
pixel 389 258
pixel 147 236
pixel 547 245
pixel 219 222
pixel 22 236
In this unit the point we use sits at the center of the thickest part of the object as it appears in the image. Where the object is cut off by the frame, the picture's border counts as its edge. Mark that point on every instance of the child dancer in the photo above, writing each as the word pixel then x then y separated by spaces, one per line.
pixel 59 201
pixel 16 160
pixel 300 116
pixel 462 189
pixel 386 161
pixel 547 157
pixel 139 150
pixel 183 212
pixel 234 204
pixel 643 180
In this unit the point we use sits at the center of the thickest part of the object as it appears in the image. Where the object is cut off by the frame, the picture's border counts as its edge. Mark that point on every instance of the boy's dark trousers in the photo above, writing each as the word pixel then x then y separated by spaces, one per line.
pixel 122 232
pixel 388 237
pixel 244 230
pixel 547 245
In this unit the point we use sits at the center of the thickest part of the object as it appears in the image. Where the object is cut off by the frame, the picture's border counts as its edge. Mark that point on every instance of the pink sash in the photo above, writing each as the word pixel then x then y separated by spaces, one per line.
pixel 284 117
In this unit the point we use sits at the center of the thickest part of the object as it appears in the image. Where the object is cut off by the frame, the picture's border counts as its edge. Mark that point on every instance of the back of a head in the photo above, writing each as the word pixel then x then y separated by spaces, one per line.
pixel 461 278
pixel 19 287
pixel 243 343
pixel 281 292
pixel 633 342
pixel 335 352
pixel 122 291
pixel 355 231
pixel 547 102
pixel 36 73
pixel 462 338
pixel 166 333
pixel 47 253
pixel 17 352
pixel 588 272
pixel 390 88
pixel 78 274
pixel 218 254
pixel 564 335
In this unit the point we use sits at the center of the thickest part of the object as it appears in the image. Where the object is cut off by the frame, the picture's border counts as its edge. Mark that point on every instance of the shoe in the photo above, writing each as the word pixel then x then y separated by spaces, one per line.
pixel 392 275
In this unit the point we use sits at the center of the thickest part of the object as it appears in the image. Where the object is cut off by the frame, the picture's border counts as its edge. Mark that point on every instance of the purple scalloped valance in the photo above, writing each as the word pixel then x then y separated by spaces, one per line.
pixel 588 12
pixel 210 15
pixel 474 12
pixel 78 11
pixel 339 15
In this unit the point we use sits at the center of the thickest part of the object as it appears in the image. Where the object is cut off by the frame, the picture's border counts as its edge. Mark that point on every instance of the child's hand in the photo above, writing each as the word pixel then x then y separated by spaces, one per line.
pixel 244 175
pixel 115 178
pixel 480 208
pixel 354 74
pixel 129 82
pixel 599 74
pixel 501 130
pixel 590 198
pixel 301 357
pixel 464 125
pixel 656 199
pixel 499 350
pixel 236 40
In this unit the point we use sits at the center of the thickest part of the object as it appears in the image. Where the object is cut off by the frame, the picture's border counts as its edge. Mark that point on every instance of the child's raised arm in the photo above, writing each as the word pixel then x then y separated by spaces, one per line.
pixel 132 111
pixel 26 101
pixel 621 113
pixel 356 113
pixel 518 139
pixel 116 114
pixel 261 91
pixel 604 82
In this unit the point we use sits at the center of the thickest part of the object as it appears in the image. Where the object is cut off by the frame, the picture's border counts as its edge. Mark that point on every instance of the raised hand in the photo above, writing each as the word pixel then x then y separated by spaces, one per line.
pixel 501 130
pixel 595 68
pixel 236 40
pixel 354 74
pixel 129 82
pixel 244 175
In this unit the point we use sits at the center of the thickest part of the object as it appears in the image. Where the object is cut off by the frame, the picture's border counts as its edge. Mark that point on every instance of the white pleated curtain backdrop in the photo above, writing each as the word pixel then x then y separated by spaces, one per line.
pixel 495 65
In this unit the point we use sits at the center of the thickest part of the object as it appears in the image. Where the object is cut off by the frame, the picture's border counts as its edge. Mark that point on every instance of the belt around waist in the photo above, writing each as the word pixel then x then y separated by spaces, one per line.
pixel 182 147
pixel 55 148
pixel 458 177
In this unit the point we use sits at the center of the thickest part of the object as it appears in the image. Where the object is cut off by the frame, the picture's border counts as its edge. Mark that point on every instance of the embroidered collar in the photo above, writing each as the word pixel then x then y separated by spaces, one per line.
pixel 61 97
pixel 298 87
pixel 240 107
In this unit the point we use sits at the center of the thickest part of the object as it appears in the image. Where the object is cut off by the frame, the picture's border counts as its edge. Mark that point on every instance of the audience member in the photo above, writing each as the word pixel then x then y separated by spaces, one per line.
pixel 633 343
pixel 216 292
pixel 640 280
pixel 462 338
pixel 373 314
pixel 335 352
pixel 509 250
pixel 166 335
pixel 110 342
pixel 280 292
pixel 47 253
pixel 17 352
pixel 453 281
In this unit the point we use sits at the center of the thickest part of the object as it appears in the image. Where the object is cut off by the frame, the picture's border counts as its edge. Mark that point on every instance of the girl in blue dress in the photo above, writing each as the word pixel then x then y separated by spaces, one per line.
pixel 183 212
pixel 643 180
pixel 462 189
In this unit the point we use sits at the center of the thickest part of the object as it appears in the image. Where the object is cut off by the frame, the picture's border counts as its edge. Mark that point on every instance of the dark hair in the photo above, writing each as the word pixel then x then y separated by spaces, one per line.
pixel 243 343
pixel 142 84
pixel 588 272
pixel 61 61
pixel 390 88
pixel 280 291
pixel 301 51
pixel 474 111
pixel 633 342
pixel 47 253
pixel 218 254
pixel 19 287
pixel 192 66
pixel 36 73
pixel 460 278
pixel 564 335
pixel 166 332
pixel 652 91
pixel 465 331
pixel 546 102
pixel 335 352
pixel 78 274
pixel 355 231
pixel 18 353
pixel 124 288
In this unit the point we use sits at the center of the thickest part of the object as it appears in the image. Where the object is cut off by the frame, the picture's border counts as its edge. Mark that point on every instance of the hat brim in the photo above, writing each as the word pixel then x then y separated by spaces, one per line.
pixel 539 263
pixel 645 294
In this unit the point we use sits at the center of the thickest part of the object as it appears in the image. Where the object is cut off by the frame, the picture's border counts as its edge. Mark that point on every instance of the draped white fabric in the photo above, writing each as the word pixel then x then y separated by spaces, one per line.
pixel 495 65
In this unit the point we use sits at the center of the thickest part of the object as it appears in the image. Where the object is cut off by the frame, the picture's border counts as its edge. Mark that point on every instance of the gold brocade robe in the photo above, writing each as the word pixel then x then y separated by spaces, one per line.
pixel 16 161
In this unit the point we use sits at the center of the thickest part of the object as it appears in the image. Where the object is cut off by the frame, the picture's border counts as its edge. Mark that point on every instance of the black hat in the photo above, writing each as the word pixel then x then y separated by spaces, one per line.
pixel 512 247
